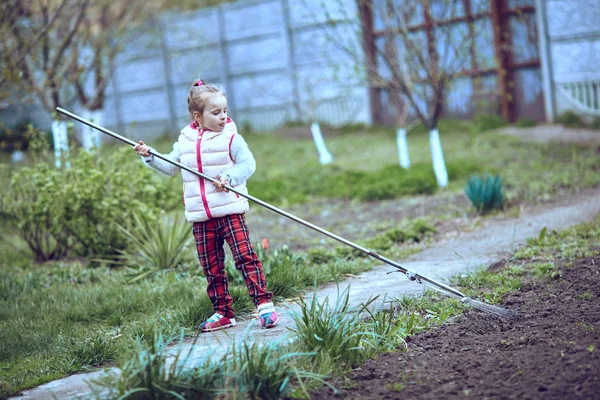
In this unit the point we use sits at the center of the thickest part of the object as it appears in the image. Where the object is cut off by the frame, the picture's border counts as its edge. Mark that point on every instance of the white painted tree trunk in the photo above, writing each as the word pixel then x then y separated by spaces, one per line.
pixel 402 148
pixel 439 165
pixel 90 137
pixel 325 156
pixel 61 143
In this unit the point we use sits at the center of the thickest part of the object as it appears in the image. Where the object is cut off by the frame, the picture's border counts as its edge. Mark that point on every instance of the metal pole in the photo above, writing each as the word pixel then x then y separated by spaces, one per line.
pixel 410 274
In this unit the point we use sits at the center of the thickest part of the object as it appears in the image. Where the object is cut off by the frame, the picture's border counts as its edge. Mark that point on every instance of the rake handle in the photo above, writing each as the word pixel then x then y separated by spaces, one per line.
pixel 410 274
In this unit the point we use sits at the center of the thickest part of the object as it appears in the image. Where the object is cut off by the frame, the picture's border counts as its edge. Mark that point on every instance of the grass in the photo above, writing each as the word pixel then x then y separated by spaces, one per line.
pixel 330 338
pixel 63 317
pixel 531 171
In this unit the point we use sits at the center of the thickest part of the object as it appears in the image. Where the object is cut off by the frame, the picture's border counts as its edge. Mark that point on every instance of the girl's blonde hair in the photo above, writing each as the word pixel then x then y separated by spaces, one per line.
pixel 199 92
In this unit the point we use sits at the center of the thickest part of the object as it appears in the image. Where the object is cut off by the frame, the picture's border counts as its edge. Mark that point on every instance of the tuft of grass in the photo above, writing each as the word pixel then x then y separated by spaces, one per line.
pixel 586 296
pixel 545 270
pixel 331 331
pixel 264 371
pixel 491 287
pixel 93 351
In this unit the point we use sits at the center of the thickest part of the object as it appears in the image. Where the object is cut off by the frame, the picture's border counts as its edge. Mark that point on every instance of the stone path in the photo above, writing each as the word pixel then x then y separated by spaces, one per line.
pixel 495 239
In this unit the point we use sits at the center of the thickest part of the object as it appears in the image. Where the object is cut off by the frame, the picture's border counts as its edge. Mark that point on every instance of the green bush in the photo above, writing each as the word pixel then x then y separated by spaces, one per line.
pixel 595 124
pixel 525 123
pixel 485 193
pixel 75 211
pixel 17 137
pixel 486 122
pixel 570 119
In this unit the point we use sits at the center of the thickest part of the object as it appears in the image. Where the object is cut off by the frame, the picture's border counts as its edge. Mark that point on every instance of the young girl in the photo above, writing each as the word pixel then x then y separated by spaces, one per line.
pixel 212 146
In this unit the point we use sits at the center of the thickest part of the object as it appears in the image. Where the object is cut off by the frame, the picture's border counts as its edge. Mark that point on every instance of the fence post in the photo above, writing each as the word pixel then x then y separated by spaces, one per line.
pixel 502 41
pixel 166 58
pixel 117 101
pixel 223 46
pixel 545 59
pixel 293 76
pixel 366 19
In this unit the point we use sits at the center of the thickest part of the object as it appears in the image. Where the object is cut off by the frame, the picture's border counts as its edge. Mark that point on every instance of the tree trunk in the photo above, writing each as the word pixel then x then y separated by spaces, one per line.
pixel 402 148
pixel 61 143
pixel 439 166
pixel 91 138
pixel 325 156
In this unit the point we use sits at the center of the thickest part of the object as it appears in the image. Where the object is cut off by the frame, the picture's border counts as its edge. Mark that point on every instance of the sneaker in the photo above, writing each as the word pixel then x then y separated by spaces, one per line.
pixel 216 322
pixel 268 316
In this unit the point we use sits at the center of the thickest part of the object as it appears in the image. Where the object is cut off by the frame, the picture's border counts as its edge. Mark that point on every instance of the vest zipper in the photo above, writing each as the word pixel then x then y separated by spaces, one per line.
pixel 202 189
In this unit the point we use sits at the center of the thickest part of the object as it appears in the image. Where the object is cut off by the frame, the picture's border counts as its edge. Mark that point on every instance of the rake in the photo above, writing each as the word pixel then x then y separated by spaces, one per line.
pixel 411 275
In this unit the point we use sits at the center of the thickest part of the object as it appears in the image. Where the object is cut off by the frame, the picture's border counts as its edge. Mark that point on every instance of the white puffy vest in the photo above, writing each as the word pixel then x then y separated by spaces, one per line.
pixel 208 152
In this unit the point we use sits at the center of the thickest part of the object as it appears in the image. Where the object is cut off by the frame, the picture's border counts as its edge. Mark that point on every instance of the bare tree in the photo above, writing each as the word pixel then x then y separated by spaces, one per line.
pixel 63 51
pixel 54 46
pixel 418 52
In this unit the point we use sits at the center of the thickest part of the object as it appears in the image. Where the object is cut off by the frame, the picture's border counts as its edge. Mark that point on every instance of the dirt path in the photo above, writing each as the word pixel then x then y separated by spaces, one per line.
pixel 558 133
pixel 488 243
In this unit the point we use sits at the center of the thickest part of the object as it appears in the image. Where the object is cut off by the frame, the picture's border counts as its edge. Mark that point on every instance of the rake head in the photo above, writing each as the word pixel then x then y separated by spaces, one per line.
pixel 488 308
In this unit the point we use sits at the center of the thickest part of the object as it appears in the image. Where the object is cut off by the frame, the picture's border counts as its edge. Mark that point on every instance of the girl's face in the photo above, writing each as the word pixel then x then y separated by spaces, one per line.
pixel 214 116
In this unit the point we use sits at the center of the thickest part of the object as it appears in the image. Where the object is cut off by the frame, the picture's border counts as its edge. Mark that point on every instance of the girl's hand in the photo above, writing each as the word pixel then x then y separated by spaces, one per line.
pixel 142 149
pixel 220 184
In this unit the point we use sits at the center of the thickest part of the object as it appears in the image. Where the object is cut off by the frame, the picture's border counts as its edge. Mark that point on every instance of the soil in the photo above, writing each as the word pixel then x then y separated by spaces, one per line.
pixel 551 350
pixel 450 212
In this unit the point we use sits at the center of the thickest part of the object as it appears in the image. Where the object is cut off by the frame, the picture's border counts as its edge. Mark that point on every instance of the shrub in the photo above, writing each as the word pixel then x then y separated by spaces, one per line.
pixel 18 137
pixel 485 193
pixel 73 211
pixel 486 122
pixel 525 123
pixel 570 119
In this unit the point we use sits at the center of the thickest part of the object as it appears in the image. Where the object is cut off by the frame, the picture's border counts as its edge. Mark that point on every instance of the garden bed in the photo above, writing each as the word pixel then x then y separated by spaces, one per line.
pixel 552 350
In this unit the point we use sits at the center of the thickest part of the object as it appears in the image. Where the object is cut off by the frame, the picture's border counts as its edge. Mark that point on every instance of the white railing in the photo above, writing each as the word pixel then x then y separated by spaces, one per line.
pixel 584 96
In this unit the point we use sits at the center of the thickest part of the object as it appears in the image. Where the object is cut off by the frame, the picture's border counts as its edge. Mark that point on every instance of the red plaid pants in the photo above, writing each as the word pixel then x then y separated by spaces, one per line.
pixel 210 237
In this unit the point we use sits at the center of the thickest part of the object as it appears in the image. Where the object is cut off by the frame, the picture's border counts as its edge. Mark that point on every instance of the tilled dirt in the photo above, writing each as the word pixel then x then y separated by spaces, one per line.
pixel 550 351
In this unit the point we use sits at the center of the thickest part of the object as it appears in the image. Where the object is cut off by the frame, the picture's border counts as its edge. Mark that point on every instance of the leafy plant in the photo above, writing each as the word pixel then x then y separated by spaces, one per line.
pixel 154 246
pixel 485 193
